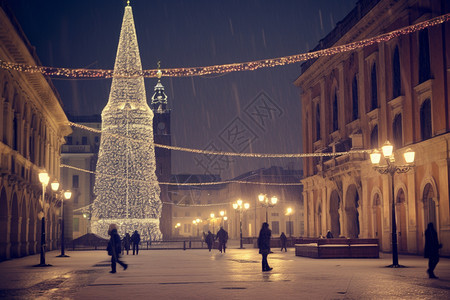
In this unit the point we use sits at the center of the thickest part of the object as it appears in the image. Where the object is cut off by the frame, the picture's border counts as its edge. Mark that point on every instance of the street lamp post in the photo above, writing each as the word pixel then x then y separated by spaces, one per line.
pixel 64 195
pixel 222 214
pixel 44 179
pixel 240 207
pixel 212 218
pixel 266 202
pixel 289 213
pixel 197 222
pixel 391 168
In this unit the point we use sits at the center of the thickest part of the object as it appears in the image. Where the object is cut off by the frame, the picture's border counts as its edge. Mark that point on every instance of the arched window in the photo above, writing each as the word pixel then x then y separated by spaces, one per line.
pixel 335 112
pixel 317 122
pixel 396 82
pixel 355 108
pixel 397 131
pixel 425 120
pixel 424 56
pixel 374 138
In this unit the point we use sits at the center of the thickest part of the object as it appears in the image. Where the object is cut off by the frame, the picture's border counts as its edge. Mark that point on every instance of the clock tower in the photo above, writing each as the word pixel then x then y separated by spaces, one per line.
pixel 162 135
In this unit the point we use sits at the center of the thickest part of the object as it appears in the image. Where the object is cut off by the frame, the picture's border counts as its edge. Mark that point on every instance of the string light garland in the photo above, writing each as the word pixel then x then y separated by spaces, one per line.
pixel 225 68
pixel 121 197
pixel 224 153
pixel 181 184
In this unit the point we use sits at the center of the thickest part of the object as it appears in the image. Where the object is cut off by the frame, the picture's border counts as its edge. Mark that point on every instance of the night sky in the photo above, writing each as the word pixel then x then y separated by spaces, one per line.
pixel 206 110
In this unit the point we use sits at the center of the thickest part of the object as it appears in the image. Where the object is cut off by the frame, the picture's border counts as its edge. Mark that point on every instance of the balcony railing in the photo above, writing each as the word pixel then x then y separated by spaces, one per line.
pixel 76 149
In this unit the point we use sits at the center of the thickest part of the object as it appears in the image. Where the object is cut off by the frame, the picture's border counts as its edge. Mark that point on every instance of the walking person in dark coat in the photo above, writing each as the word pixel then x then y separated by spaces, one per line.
pixel 264 245
pixel 136 239
pixel 114 248
pixel 431 249
pixel 209 240
pixel 283 240
pixel 126 242
pixel 222 235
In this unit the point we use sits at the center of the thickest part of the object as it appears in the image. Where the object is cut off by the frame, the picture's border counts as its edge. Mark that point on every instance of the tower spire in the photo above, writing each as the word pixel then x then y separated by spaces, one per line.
pixel 159 98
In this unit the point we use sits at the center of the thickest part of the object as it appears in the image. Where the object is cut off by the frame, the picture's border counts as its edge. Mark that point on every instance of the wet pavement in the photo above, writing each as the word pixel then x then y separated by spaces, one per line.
pixel 199 274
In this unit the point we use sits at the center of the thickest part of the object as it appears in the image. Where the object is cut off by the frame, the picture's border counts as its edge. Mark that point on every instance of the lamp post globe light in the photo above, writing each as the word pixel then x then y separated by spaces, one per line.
pixel 64 195
pixel 240 207
pixel 197 222
pixel 390 168
pixel 43 179
pixel 266 202
pixel 289 212
pixel 212 218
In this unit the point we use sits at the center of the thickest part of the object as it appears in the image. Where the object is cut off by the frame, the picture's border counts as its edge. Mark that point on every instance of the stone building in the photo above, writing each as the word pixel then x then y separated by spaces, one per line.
pixel 192 202
pixel 396 90
pixel 80 151
pixel 32 130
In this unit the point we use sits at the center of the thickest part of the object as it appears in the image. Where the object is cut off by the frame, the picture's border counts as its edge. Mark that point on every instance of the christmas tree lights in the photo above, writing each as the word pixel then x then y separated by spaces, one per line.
pixel 126 187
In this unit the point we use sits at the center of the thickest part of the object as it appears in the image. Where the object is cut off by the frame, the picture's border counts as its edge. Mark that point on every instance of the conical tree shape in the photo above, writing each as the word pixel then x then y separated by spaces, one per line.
pixel 126 187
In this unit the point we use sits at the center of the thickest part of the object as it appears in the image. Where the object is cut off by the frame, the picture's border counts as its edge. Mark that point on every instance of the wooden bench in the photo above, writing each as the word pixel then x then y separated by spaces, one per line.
pixel 337 248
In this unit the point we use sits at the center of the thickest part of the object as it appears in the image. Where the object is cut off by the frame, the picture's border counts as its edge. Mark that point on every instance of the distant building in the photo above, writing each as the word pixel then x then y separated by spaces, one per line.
pixel 32 130
pixel 80 151
pixel 396 90
pixel 192 202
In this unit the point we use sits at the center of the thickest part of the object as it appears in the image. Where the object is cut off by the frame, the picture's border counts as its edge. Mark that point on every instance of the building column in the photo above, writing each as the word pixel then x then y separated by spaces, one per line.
pixel 412 214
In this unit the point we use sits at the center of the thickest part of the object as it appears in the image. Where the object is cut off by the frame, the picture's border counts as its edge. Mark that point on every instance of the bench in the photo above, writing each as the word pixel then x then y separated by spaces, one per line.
pixel 337 248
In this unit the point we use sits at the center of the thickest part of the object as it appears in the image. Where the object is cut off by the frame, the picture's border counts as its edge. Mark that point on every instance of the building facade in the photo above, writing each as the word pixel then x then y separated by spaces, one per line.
pixel 199 202
pixel 81 152
pixel 32 130
pixel 396 91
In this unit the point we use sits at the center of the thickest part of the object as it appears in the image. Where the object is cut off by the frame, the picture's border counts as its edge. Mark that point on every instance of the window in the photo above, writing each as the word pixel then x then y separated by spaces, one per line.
pixel 425 120
pixel 374 138
pixel 355 108
pixel 397 131
pixel 76 224
pixel 187 214
pixel 373 84
pixel 187 228
pixel 84 140
pixel 335 112
pixel 317 122
pixel 97 139
pixel 424 56
pixel 275 227
pixel 69 140
pixel 75 183
pixel 396 82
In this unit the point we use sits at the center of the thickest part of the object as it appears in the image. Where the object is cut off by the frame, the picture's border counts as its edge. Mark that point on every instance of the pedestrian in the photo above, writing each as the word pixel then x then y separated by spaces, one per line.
pixel 431 250
pixel 209 240
pixel 283 240
pixel 114 248
pixel 329 235
pixel 222 235
pixel 264 245
pixel 126 242
pixel 136 239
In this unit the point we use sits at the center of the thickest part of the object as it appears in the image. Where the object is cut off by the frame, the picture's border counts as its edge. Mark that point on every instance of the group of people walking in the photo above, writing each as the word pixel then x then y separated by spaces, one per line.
pixel 133 241
pixel 222 236
pixel 116 246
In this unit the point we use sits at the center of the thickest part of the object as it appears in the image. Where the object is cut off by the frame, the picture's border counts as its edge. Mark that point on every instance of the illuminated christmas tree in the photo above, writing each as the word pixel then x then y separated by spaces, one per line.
pixel 126 187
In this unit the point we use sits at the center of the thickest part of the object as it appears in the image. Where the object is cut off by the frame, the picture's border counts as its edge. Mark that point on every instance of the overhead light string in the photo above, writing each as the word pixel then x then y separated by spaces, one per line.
pixel 224 68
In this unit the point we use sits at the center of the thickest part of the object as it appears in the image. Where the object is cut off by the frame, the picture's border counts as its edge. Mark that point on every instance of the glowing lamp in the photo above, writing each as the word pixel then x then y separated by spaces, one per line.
pixel 387 149
pixel 375 157
pixel 409 156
